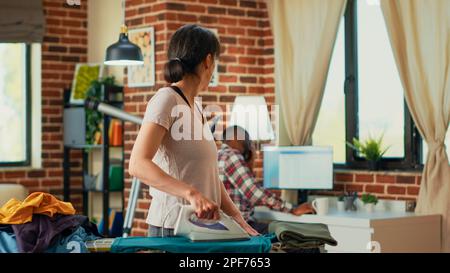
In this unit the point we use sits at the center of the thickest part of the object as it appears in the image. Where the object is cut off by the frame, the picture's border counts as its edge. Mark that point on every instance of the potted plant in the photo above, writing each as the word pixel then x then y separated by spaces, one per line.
pixel 371 149
pixel 369 201
pixel 94 118
pixel 340 203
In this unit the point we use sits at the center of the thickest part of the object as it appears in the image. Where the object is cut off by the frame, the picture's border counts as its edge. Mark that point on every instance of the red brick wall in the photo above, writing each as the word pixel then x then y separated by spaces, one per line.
pixel 64 45
pixel 385 185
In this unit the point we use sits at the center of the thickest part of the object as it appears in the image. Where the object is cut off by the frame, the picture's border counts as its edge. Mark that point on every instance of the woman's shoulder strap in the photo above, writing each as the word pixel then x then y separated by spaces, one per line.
pixel 179 92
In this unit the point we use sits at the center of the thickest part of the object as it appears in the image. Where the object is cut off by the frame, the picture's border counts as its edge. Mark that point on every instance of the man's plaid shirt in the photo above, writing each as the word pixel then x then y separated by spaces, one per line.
pixel 242 187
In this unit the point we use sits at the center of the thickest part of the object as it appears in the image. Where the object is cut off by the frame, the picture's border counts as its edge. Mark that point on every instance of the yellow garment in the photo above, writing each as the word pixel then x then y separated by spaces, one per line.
pixel 16 212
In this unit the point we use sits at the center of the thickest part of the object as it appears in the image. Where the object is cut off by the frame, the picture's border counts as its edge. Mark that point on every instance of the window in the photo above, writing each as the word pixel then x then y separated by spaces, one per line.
pixel 15 105
pixel 380 92
pixel 364 94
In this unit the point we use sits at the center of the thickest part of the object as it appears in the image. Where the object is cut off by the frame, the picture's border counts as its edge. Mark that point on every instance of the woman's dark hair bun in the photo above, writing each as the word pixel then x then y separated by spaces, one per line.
pixel 188 47
pixel 174 70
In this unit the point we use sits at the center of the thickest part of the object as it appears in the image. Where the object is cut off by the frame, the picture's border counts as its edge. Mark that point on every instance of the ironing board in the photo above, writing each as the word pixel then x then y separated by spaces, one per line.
pixel 176 244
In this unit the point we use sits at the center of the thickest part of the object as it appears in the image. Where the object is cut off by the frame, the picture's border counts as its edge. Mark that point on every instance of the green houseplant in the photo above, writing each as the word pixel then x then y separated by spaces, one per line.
pixel 340 202
pixel 94 118
pixel 371 149
pixel 369 201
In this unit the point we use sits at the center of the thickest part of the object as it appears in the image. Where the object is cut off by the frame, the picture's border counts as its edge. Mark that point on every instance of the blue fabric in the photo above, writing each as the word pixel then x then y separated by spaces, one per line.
pixel 176 244
pixel 8 242
pixel 74 243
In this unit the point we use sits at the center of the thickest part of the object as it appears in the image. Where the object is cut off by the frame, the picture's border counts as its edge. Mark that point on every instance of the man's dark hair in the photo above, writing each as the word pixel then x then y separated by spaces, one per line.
pixel 238 133
pixel 235 132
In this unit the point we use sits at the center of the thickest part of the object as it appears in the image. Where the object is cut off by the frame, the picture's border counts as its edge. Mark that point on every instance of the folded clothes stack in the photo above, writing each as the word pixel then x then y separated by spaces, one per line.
pixel 42 223
pixel 301 236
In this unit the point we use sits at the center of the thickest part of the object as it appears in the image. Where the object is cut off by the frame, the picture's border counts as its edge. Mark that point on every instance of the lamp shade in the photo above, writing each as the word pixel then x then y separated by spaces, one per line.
pixel 123 52
pixel 250 113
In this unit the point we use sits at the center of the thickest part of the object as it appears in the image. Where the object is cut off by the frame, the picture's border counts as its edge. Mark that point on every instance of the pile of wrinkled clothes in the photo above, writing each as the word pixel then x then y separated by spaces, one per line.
pixel 43 224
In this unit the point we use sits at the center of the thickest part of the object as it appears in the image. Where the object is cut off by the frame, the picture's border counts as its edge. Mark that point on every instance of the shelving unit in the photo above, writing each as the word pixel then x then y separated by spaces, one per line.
pixel 73 126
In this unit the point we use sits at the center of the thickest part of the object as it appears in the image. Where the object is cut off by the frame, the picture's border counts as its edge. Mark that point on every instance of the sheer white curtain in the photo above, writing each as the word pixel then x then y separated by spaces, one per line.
pixel 419 31
pixel 304 35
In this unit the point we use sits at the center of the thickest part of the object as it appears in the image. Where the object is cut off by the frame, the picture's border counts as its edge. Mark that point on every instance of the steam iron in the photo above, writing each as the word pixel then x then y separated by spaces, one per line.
pixel 225 229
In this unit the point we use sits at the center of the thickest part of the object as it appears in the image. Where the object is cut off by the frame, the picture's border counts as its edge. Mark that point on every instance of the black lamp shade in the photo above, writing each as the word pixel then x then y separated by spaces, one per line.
pixel 123 52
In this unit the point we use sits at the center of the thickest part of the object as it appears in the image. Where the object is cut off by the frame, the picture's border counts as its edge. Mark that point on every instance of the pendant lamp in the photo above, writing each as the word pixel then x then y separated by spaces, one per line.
pixel 123 52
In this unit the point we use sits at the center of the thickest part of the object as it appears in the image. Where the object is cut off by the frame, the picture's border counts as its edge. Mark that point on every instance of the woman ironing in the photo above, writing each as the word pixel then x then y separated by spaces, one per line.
pixel 179 166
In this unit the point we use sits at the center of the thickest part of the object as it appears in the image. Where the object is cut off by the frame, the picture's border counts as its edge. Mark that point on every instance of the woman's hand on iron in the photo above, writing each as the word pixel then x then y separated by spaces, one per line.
pixel 204 208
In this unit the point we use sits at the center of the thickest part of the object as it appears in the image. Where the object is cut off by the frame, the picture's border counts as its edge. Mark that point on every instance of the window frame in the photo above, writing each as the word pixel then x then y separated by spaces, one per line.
pixel 28 109
pixel 412 138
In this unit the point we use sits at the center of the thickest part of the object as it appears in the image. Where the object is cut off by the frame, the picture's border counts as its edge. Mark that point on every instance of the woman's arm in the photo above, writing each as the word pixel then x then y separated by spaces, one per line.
pixel 227 204
pixel 230 209
pixel 142 167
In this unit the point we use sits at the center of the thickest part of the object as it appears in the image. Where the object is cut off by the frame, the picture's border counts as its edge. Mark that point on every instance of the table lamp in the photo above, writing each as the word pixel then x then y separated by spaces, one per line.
pixel 250 113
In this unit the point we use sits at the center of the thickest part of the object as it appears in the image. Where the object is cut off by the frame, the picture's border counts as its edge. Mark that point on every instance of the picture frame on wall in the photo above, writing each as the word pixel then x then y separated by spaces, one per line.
pixel 84 74
pixel 215 76
pixel 144 75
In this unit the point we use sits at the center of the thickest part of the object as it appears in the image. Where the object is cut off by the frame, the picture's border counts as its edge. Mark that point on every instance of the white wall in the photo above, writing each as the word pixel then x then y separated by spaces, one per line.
pixel 36 109
pixel 104 21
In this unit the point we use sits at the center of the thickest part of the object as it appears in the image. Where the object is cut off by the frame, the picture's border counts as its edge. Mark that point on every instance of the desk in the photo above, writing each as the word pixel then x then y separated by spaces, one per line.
pixel 371 232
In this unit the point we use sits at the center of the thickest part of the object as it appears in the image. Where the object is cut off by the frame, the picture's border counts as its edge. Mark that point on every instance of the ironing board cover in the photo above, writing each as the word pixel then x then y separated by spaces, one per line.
pixel 258 244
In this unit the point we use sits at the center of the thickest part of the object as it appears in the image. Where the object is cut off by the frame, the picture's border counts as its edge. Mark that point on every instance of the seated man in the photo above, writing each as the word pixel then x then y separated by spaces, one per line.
pixel 235 171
